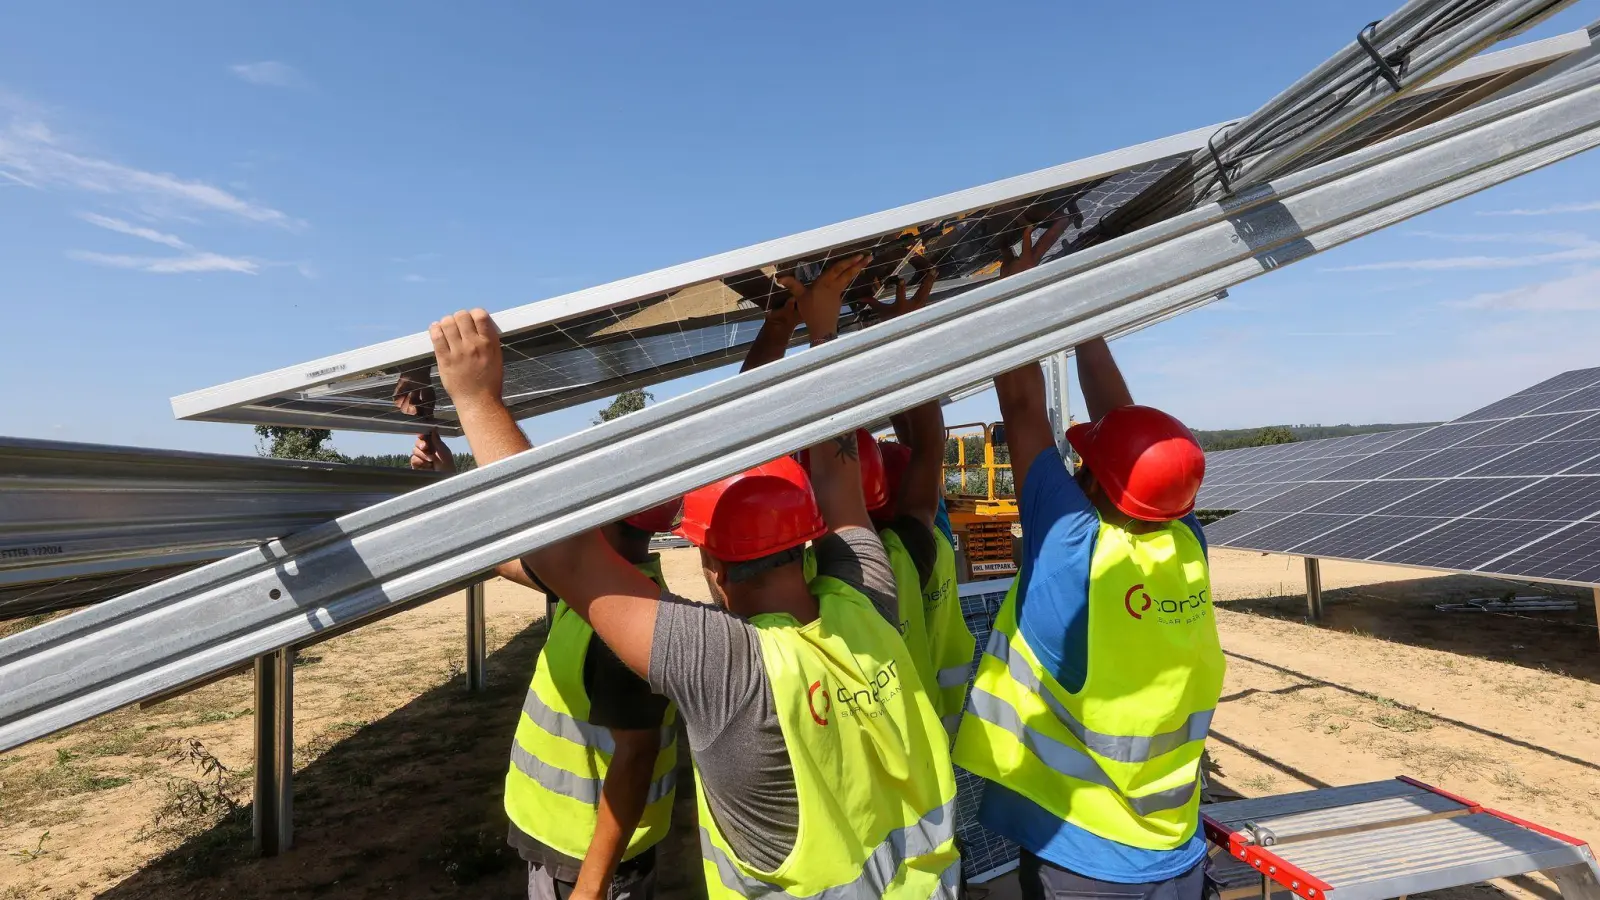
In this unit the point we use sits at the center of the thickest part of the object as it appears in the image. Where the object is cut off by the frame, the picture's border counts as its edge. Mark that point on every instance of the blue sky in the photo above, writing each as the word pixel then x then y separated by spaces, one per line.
pixel 192 193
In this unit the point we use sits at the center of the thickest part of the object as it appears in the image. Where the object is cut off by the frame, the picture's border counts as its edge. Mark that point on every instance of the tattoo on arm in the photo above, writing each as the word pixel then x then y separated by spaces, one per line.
pixel 844 446
pixel 824 340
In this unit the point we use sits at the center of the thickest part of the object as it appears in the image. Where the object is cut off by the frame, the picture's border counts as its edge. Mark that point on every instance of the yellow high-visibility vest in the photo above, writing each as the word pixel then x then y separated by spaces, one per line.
pixel 559 759
pixel 872 775
pixel 913 630
pixel 1120 757
pixel 950 642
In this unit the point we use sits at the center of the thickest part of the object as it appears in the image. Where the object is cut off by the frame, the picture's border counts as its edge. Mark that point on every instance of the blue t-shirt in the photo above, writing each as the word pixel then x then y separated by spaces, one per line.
pixel 1059 529
pixel 941 520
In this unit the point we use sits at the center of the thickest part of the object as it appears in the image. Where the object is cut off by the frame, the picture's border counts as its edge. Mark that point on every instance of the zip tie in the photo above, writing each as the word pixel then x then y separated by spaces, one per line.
pixel 1216 157
pixel 1364 38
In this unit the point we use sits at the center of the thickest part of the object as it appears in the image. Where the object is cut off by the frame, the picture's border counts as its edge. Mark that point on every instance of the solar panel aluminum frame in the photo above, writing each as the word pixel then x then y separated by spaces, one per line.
pixel 232 402
pixel 88 663
pixel 254 400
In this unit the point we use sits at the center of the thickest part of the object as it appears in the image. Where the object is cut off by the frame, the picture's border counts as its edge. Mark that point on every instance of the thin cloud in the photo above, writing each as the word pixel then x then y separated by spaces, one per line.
pixel 1576 292
pixel 270 73
pixel 138 231
pixel 33 155
pixel 1557 210
pixel 1341 334
pixel 169 265
pixel 1576 247
pixel 413 278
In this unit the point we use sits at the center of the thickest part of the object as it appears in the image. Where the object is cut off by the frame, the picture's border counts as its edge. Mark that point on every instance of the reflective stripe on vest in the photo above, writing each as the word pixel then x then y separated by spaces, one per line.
pixel 583 790
pixel 559 759
pixel 874 787
pixel 1118 747
pixel 881 867
pixel 950 642
pixel 1066 760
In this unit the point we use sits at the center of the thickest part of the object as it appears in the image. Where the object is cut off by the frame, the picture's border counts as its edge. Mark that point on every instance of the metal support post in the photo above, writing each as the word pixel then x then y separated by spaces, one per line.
pixel 1313 589
pixel 477 638
pixel 1597 608
pixel 273 821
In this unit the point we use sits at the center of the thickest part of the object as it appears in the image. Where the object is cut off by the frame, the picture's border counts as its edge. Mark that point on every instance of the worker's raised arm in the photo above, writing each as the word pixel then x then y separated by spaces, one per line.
pixel 613 596
pixel 1021 391
pixel 836 463
pixel 1100 379
pixel 922 427
pixel 773 339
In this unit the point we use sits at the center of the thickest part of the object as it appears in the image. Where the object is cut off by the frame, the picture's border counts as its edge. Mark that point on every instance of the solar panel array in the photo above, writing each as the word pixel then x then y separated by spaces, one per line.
pixel 984 854
pixel 668 324
pixel 1509 489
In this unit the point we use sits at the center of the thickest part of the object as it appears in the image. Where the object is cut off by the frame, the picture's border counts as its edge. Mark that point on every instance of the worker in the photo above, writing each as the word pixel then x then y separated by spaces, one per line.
pixel 864 804
pixel 590 788
pixel 920 552
pixel 1097 686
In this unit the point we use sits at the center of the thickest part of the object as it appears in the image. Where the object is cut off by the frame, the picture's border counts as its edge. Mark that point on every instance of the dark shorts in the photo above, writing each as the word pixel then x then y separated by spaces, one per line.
pixel 1041 880
pixel 631 882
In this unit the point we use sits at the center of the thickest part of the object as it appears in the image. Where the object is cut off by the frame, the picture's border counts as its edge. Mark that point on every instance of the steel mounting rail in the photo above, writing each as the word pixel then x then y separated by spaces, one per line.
pixel 88 663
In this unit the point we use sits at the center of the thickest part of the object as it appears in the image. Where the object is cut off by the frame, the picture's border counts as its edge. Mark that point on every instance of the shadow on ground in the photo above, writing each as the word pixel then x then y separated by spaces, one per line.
pixel 1402 611
pixel 407 806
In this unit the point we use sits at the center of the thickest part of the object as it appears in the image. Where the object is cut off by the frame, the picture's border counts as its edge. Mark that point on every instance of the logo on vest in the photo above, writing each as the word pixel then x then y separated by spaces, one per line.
pixel 818 716
pixel 1137 601
pixel 885 685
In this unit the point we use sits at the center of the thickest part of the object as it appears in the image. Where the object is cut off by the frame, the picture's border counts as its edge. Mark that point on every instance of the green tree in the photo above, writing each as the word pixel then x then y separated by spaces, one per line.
pixel 1273 434
pixel 624 403
pixel 285 442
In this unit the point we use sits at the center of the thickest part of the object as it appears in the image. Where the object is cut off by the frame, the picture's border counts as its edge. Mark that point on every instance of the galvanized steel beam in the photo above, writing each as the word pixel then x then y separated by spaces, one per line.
pixel 71 669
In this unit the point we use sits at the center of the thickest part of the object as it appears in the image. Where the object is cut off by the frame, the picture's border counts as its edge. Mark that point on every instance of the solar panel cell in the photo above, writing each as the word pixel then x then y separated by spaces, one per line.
pixel 1562 498
pixel 1444 436
pixel 1289 532
pixel 1586 400
pixel 1540 459
pixel 1305 495
pixel 1457 496
pixel 1587 429
pixel 1524 430
pixel 1566 381
pixel 1512 406
pixel 1572 554
pixel 1376 465
pixel 1368 496
pixel 1366 536
pixel 1466 543
pixel 1236 526
pixel 1444 463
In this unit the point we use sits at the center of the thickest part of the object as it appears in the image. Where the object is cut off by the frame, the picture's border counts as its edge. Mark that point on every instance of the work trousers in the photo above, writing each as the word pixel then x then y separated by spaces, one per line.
pixel 631 882
pixel 1040 880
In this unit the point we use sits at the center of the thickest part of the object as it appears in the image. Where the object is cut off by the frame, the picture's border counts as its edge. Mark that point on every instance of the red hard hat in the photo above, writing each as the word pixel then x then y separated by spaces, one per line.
pixel 874 487
pixel 657 518
pixel 896 456
pixel 1149 464
pixel 753 514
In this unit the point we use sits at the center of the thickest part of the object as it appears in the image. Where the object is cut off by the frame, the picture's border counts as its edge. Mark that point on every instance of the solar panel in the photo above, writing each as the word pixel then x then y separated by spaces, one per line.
pixel 1571 554
pixel 1364 536
pixel 1512 488
pixel 984 854
pixel 704 314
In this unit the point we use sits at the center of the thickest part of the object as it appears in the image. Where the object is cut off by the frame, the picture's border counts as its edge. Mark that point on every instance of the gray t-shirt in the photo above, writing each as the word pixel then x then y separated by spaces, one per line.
pixel 709 662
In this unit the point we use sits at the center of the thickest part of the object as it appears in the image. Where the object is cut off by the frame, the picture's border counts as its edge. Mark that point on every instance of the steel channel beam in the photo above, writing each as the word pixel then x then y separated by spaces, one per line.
pixel 82 665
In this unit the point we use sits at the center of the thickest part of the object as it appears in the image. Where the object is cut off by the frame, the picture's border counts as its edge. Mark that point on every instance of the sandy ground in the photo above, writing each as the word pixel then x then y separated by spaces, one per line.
pixel 399 768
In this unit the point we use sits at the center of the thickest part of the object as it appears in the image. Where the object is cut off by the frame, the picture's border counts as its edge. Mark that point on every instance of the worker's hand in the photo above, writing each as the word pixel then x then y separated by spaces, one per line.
pixel 786 315
pixel 413 392
pixel 1028 257
pixel 467 346
pixel 819 301
pixel 432 454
